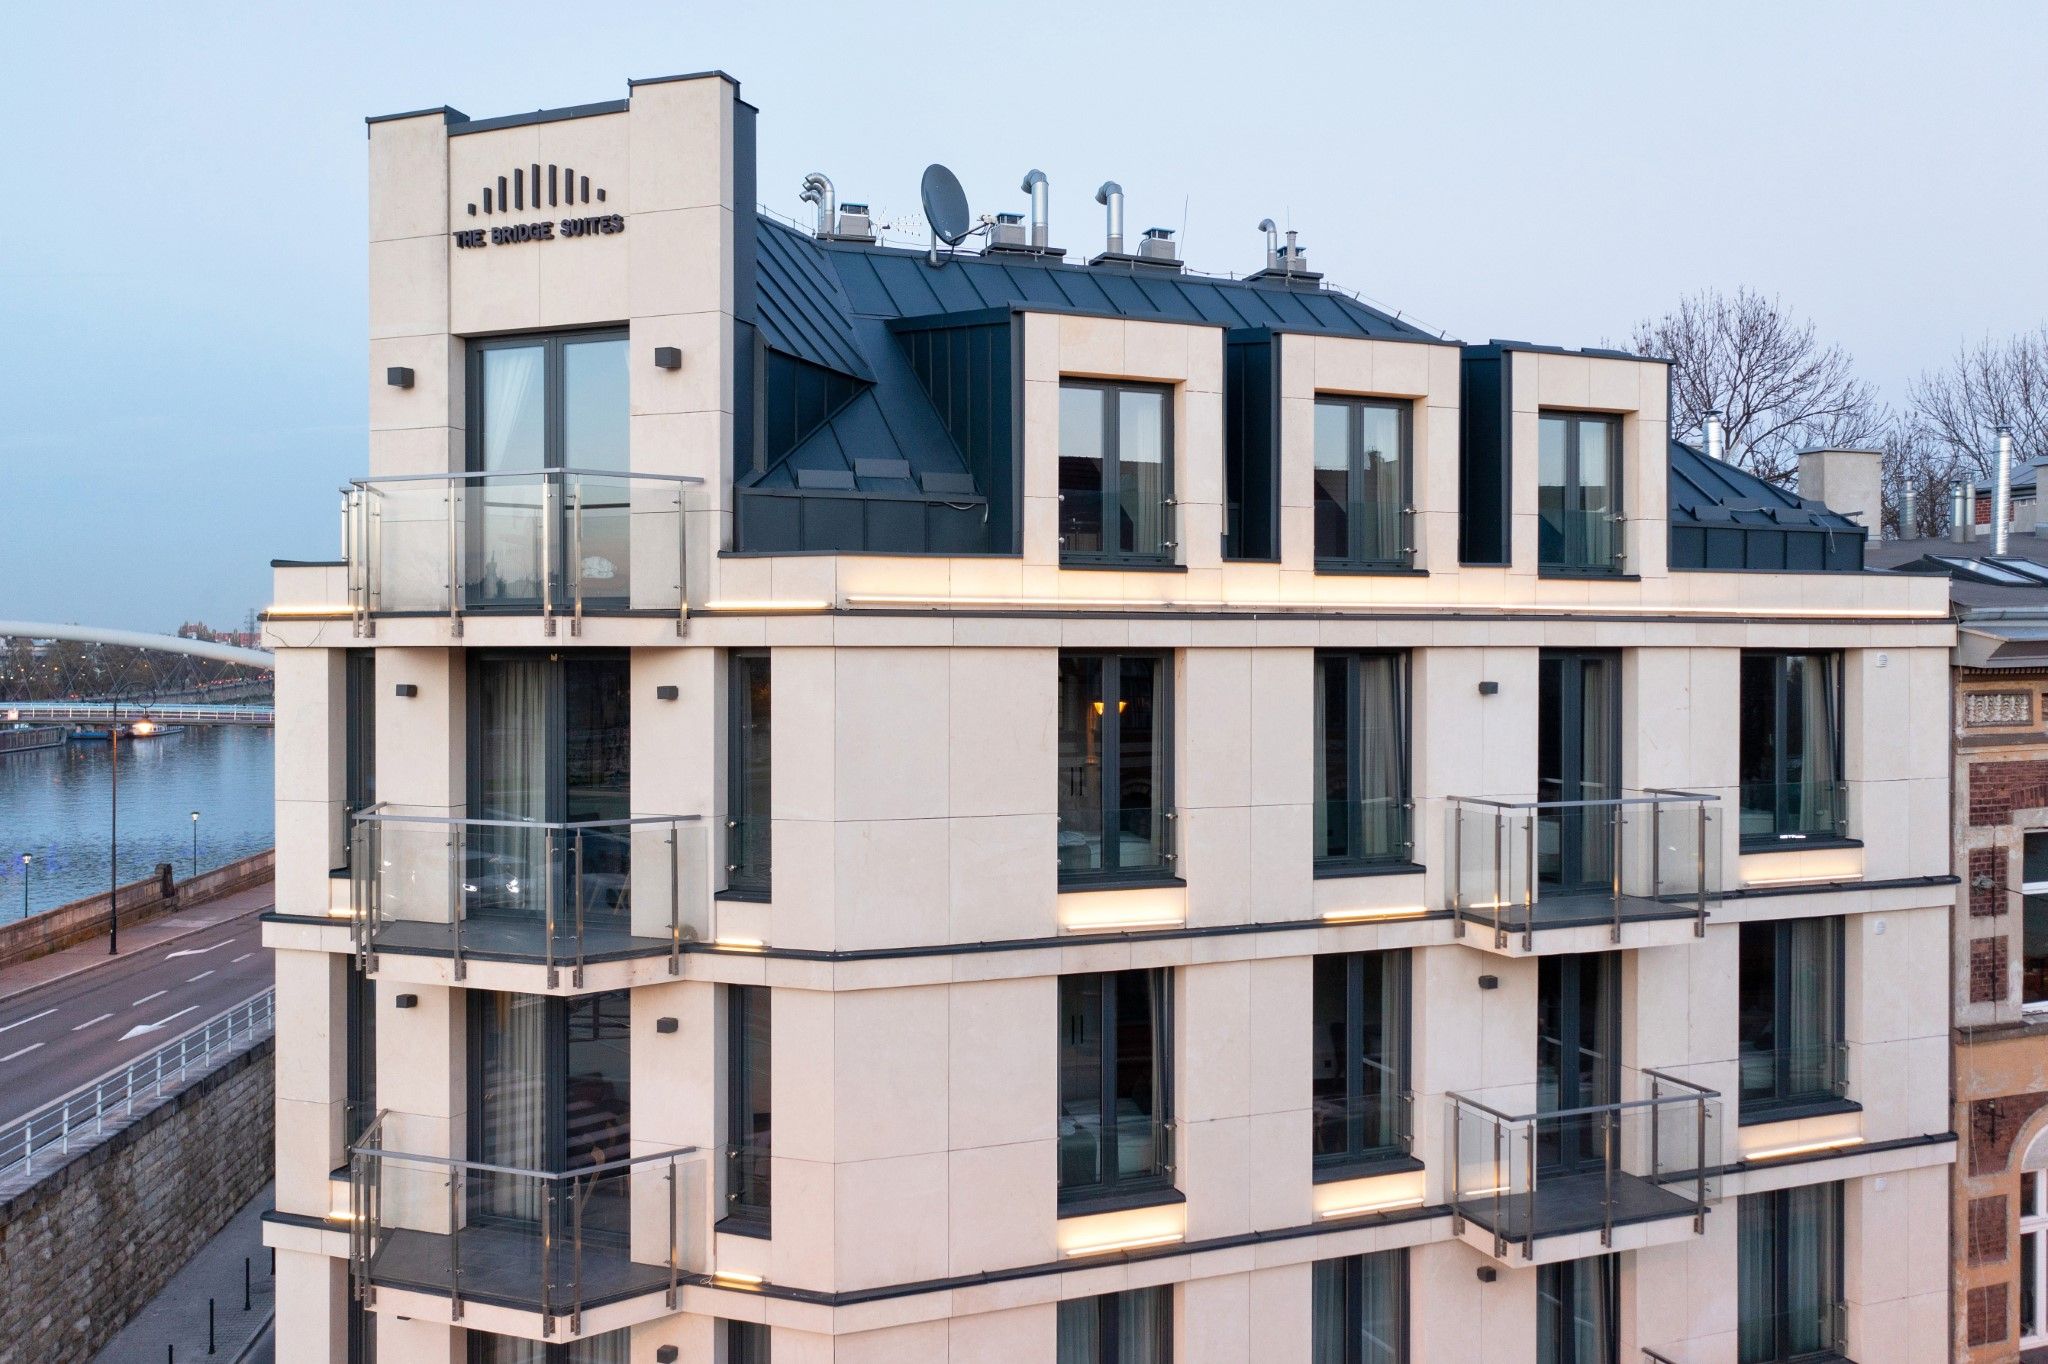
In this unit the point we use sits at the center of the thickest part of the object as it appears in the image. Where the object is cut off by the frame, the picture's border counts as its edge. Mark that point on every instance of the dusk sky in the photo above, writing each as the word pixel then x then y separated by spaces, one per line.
pixel 183 272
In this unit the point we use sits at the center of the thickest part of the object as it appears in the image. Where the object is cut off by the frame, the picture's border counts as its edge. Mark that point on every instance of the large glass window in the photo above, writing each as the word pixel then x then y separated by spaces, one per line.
pixel 1361 483
pixel 1361 1059
pixel 1361 757
pixel 360 747
pixel 1360 1306
pixel 1116 473
pixel 1789 1274
pixel 2034 921
pixel 1790 1013
pixel 749 828
pixel 1578 493
pixel 1578 1313
pixel 746 1342
pixel 1791 725
pixel 2033 1284
pixel 362 1052
pixel 1115 796
pixel 1116 1086
pixel 1132 1327
pixel 749 1112
pixel 613 1347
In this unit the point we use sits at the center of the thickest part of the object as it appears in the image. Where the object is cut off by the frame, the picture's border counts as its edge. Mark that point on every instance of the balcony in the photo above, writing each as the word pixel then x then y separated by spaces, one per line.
pixel 557 1243
pixel 1519 867
pixel 1523 1172
pixel 558 895
pixel 553 543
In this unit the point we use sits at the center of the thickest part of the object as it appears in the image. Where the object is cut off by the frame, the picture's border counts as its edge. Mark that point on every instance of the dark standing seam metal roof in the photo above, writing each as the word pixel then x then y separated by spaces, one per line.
pixel 1708 492
pixel 800 308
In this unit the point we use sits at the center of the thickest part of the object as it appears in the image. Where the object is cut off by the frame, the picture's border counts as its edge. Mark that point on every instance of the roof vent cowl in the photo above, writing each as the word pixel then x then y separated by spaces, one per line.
pixel 1288 263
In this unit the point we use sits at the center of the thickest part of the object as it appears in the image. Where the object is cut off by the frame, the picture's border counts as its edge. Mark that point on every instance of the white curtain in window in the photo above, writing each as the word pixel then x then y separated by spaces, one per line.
pixel 512 1112
pixel 506 875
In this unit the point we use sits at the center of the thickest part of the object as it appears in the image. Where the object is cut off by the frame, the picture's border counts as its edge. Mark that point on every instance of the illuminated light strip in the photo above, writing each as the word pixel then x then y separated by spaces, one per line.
pixel 1103 925
pixel 1464 611
pixel 1360 1209
pixel 728 1278
pixel 739 944
pixel 1802 880
pixel 1804 1148
pixel 1346 916
pixel 1134 1243
pixel 759 606
pixel 343 611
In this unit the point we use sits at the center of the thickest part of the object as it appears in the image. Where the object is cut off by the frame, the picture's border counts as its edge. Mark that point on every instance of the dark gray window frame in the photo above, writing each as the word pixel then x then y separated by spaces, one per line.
pixel 749 1196
pixel 1780 838
pixel 1403 560
pixel 551 384
pixel 360 1105
pixel 1575 421
pixel 1357 1156
pixel 1116 1191
pixel 359 725
pixel 746 1342
pixel 749 872
pixel 1109 1307
pixel 1778 1202
pixel 1402 857
pixel 1112 781
pixel 1112 478
pixel 1786 1103
pixel 556 1074
pixel 1347 1349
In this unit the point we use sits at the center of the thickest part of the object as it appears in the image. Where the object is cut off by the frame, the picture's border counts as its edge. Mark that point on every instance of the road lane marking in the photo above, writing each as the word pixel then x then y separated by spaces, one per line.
pixel 197 951
pixel 23 1052
pixel 146 998
pixel 30 1019
pixel 140 1028
pixel 89 1022
pixel 244 957
pixel 201 976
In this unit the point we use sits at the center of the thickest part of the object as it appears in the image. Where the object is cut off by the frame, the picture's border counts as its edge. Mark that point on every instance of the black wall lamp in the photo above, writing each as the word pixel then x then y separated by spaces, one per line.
pixel 666 1025
pixel 407 689
pixel 407 1001
pixel 1489 688
pixel 668 357
pixel 667 693
pixel 398 376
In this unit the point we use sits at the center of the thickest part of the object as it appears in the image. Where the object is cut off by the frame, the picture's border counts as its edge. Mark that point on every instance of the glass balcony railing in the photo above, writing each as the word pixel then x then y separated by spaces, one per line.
pixel 1819 1331
pixel 1362 832
pixel 1346 1129
pixel 747 1183
pixel 511 890
pixel 1520 866
pixel 1792 1075
pixel 1132 1147
pixel 1524 1169
pixel 556 1242
pixel 1786 814
pixel 1592 542
pixel 750 854
pixel 1134 840
pixel 553 543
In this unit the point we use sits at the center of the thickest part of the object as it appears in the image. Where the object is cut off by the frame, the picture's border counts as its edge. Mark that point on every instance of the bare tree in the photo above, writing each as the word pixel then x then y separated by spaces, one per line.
pixel 1916 458
pixel 1778 389
pixel 1987 384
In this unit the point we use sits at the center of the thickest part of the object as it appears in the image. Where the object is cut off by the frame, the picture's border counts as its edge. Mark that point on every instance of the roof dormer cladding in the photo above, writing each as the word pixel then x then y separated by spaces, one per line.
pixel 1724 519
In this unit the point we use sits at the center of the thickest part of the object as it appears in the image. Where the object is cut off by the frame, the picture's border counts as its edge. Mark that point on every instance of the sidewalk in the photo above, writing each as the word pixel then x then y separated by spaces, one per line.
pixel 22 977
pixel 173 1327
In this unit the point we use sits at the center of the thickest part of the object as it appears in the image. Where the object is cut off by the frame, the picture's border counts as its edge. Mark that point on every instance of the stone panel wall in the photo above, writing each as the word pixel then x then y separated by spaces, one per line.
pixel 90 1244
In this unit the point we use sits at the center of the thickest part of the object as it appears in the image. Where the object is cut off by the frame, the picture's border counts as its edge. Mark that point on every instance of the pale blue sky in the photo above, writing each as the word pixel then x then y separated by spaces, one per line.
pixel 182 270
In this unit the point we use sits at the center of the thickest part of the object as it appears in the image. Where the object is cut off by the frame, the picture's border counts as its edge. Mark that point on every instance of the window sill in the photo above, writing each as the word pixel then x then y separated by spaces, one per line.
pixel 1333 568
pixel 1367 1167
pixel 1588 574
pixel 753 1225
pixel 1122 1200
pixel 1339 871
pixel 1122 566
pixel 751 897
pixel 1791 1110
pixel 1777 844
pixel 1135 881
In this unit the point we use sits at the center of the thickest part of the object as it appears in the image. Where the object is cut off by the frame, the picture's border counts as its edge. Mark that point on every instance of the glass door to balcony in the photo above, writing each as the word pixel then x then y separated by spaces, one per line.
pixel 540 404
pixel 1578 1059
pixel 1578 759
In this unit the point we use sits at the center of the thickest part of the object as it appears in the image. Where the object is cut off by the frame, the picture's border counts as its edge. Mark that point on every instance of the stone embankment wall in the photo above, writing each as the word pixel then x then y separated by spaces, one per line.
pixel 53 930
pixel 90 1244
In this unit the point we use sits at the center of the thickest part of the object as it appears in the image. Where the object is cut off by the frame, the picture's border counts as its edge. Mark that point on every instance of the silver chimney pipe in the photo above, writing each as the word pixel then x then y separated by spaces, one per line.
pixel 2001 495
pixel 1272 231
pixel 818 190
pixel 1293 250
pixel 1112 195
pixel 1716 441
pixel 1041 215
pixel 1962 511
pixel 1909 513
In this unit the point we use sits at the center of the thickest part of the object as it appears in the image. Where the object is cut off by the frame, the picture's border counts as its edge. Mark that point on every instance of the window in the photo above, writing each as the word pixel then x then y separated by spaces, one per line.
pixel 613 1347
pixel 1361 483
pixel 1790 1014
pixel 1133 1327
pixel 1789 1273
pixel 748 1069
pixel 1115 798
pixel 1116 473
pixel 746 1342
pixel 2033 922
pixel 360 722
pixel 749 826
pixel 362 1052
pixel 1360 1087
pixel 1791 754
pixel 1361 757
pixel 1116 1090
pixel 1578 1317
pixel 1360 1307
pixel 1578 493
pixel 2033 1286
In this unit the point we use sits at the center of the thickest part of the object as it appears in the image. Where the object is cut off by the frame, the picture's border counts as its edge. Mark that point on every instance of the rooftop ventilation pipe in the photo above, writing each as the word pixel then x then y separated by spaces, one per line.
pixel 1041 215
pixel 1112 196
pixel 1272 231
pixel 818 191
pixel 1962 511
pixel 1909 514
pixel 1716 442
pixel 2001 495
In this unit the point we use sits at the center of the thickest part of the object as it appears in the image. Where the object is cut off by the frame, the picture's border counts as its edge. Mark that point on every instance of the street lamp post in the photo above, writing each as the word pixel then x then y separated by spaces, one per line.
pixel 26 858
pixel 114 832
pixel 195 843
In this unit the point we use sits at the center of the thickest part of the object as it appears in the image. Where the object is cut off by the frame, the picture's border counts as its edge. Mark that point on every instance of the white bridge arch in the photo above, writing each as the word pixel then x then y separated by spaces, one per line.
pixel 137 639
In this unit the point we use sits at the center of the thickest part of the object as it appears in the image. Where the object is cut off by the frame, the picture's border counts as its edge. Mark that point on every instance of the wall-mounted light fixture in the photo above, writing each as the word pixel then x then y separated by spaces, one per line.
pixel 398 376
pixel 407 689
pixel 1489 982
pixel 407 1001
pixel 667 693
pixel 666 1354
pixel 668 357
pixel 1489 688
pixel 1487 1274
pixel 666 1025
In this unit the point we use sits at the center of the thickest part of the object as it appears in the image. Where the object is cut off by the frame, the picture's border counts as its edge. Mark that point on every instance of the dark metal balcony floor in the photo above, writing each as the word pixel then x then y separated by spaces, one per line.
pixel 502 1265
pixel 1583 911
pixel 1566 1204
pixel 496 939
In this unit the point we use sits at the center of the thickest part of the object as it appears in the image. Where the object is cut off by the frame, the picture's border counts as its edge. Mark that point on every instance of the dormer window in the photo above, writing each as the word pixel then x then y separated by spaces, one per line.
pixel 1116 473
pixel 1362 506
pixel 1578 493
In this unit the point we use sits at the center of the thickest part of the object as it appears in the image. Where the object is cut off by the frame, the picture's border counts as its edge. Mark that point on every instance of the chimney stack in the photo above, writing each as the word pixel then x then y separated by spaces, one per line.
pixel 2001 495
pixel 1909 514
pixel 1848 481
pixel 1714 437
pixel 1111 196
pixel 1041 216
pixel 1962 511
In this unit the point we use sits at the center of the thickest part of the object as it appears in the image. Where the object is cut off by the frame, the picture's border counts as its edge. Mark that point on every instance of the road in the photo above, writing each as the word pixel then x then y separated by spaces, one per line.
pixel 57 1036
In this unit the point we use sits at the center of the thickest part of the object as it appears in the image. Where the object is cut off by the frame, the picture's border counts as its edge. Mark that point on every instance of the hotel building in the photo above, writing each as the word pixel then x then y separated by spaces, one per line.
pixel 1027 804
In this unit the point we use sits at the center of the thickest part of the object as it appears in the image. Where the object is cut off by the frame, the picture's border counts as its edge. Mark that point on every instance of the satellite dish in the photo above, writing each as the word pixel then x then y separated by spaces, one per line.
pixel 945 205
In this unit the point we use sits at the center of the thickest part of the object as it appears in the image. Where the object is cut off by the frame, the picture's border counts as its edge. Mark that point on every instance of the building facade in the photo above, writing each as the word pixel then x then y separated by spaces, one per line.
pixel 852 804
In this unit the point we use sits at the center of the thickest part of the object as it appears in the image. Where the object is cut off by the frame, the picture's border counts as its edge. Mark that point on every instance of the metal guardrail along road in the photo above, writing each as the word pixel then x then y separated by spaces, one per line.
pixel 80 1118
pixel 97 713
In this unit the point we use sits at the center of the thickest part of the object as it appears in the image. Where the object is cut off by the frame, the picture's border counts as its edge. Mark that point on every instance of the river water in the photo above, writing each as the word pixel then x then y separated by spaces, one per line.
pixel 53 804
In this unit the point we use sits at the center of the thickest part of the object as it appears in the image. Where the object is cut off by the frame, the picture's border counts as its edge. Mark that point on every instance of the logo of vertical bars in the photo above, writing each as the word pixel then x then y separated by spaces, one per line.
pixel 564 186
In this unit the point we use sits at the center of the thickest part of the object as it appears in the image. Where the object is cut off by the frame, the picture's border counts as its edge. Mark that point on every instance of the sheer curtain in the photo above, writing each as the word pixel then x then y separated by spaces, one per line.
pixel 513 777
pixel 1145 1326
pixel 1383 779
pixel 1812 951
pixel 1819 703
pixel 514 421
pixel 1383 490
pixel 1755 1286
pixel 511 1113
pixel 1812 1249
pixel 1359 1309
